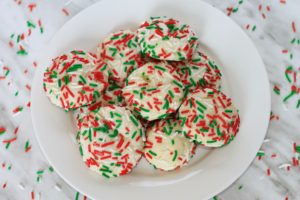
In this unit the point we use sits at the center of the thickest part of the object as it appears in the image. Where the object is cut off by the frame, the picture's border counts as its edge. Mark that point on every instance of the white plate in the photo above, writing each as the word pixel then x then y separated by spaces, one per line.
pixel 210 172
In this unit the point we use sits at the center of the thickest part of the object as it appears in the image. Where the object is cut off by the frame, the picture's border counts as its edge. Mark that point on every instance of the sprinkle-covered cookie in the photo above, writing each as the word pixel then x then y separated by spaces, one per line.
pixel 167 39
pixel 111 141
pixel 112 95
pixel 166 148
pixel 209 117
pixel 153 91
pixel 122 53
pixel 200 71
pixel 75 79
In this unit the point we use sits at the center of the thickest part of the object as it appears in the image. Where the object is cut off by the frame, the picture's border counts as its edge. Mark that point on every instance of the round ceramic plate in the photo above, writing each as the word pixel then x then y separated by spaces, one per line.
pixel 211 171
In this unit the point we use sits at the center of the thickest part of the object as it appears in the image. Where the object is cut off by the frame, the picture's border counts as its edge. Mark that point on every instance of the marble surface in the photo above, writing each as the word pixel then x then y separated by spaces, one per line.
pixel 274 27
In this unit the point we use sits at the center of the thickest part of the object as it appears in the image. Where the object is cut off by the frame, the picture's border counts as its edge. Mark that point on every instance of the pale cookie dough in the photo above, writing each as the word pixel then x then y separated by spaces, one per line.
pixel 153 91
pixel 200 71
pixel 209 118
pixel 111 96
pixel 166 148
pixel 167 39
pixel 111 141
pixel 75 79
pixel 122 53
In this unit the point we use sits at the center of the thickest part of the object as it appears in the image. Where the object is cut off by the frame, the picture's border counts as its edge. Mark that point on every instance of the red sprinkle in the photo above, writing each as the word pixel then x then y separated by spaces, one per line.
pixel 31 6
pixel 294 27
pixel 32 195
pixel 268 172
pixel 16 130
pixel 65 11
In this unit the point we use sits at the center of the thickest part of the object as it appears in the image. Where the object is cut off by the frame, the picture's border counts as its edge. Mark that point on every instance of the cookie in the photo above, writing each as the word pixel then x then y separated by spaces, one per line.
pixel 209 118
pixel 166 148
pixel 153 91
pixel 200 71
pixel 167 39
pixel 122 53
pixel 111 141
pixel 75 79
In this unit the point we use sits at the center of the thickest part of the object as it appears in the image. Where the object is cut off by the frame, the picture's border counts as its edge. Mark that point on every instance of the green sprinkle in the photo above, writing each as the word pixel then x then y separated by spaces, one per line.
pixel 175 155
pixel 6 73
pixel 78 52
pixel 289 68
pixel 114 37
pixel 40 172
pixel 105 175
pixel 160 68
pixel 166 105
pixel 66 79
pixel 18 38
pixel 177 83
pixel 22 52
pixel 276 90
pixel 152 153
pixel 93 85
pixel 200 110
pixel 77 196
pixel 103 128
pixel 74 67
pixel 117 154
pixel 144 109
pixel 298 149
pixel 134 134
pixel 137 112
pixel 114 50
pixel 211 141
pixel 115 134
pixel 293 40
pixel 288 78
pixel 117 114
pixel 219 132
pixel 30 24
pixel 289 96
pixel 132 62
pixel 105 170
pixel 162 116
pixel 26 144
pixel 235 10
pixel 151 89
pixel 298 104
pixel 51 169
pixel 82 79
pixel 90 135
pixel 260 153
pixel 133 119
pixel 173 142
pixel 171 94
pixel 193 82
